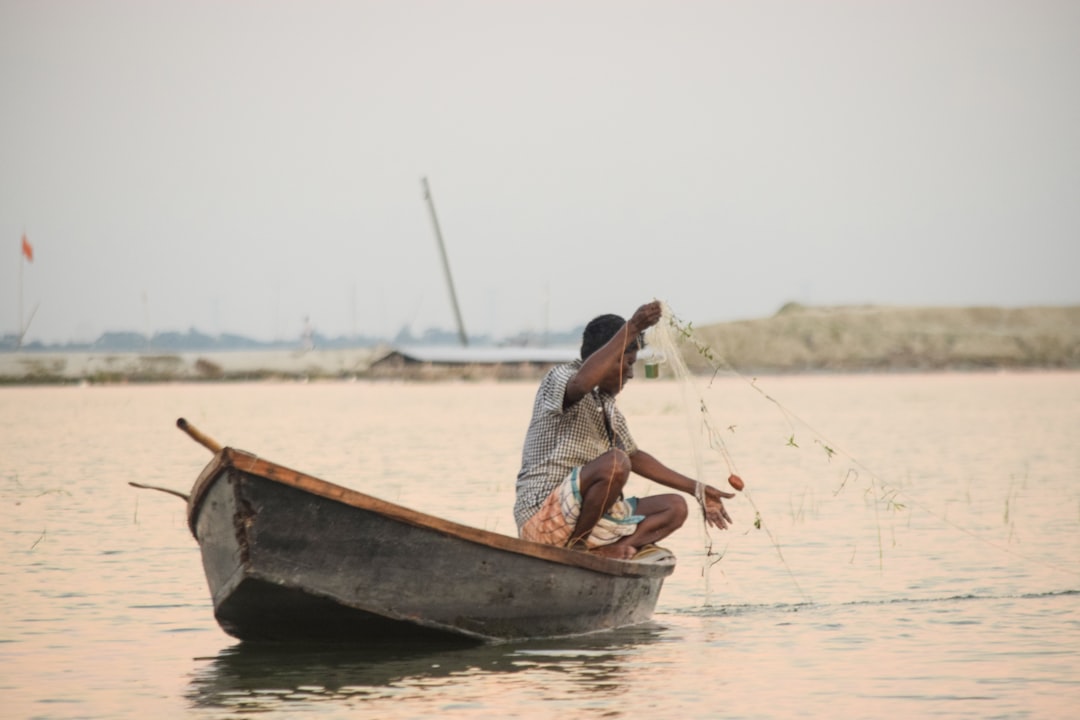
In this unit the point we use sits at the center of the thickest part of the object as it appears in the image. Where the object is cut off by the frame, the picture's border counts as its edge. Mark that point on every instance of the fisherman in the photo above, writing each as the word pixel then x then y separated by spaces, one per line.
pixel 579 454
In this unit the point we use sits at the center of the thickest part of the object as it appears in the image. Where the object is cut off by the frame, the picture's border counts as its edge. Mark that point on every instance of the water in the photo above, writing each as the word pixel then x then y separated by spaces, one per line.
pixel 918 555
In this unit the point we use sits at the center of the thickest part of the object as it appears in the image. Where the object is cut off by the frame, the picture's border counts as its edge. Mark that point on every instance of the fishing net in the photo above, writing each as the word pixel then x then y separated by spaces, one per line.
pixel 869 505
pixel 664 355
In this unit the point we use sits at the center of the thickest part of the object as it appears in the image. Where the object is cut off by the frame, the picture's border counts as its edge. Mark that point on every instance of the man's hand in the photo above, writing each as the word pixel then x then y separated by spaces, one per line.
pixel 715 512
pixel 645 317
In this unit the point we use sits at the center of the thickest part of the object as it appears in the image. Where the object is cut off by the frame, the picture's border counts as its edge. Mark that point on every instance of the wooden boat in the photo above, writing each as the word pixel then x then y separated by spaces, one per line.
pixel 291 557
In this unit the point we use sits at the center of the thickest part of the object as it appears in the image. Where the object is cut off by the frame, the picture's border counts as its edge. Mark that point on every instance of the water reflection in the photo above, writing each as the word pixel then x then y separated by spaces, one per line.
pixel 259 677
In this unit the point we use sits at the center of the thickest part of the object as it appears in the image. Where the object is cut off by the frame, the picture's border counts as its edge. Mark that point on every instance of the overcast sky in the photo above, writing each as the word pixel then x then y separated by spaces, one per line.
pixel 239 166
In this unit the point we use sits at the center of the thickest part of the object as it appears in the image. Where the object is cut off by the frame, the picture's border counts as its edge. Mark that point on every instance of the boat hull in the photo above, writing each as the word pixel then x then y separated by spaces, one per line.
pixel 291 557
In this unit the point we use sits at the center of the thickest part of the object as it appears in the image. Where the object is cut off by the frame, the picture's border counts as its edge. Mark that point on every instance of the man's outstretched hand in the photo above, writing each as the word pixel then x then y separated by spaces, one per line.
pixel 715 512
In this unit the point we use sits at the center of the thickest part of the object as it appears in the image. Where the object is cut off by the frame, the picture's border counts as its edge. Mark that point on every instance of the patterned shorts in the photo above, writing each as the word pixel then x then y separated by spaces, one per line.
pixel 557 516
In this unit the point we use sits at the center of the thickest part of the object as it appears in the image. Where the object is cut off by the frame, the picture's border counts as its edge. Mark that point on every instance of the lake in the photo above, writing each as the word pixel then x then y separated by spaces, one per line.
pixel 917 554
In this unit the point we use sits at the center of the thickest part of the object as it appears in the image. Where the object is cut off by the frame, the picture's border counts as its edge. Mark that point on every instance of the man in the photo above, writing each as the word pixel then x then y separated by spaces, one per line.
pixel 579 454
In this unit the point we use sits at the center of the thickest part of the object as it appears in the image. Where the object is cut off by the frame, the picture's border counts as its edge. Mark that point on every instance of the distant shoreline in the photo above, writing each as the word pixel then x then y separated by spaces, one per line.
pixel 797 339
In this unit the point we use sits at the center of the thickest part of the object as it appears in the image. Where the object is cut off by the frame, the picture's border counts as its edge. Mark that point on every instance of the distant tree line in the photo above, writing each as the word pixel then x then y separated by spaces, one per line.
pixel 194 340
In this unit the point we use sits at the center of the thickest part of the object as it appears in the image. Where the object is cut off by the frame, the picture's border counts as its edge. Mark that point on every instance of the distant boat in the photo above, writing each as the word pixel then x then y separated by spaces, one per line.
pixel 291 557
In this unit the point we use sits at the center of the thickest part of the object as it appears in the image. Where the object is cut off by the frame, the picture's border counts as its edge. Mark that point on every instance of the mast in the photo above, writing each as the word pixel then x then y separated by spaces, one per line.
pixel 446 264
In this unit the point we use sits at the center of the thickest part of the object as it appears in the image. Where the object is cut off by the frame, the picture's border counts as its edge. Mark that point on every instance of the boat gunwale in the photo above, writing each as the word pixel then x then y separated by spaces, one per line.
pixel 248 463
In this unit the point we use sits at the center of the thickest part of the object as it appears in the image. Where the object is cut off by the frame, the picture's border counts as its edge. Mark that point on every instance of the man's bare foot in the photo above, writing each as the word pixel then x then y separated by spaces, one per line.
pixel 616 552
pixel 577 544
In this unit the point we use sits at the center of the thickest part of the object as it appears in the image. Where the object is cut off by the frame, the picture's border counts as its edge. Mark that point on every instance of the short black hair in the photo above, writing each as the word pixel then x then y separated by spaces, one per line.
pixel 601 329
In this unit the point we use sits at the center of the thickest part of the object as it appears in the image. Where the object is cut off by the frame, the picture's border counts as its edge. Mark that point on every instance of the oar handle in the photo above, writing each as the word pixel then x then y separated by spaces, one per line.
pixel 197 436
pixel 177 493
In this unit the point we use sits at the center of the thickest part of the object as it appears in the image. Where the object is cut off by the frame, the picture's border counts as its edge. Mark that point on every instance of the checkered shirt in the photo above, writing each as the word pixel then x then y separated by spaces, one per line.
pixel 558 441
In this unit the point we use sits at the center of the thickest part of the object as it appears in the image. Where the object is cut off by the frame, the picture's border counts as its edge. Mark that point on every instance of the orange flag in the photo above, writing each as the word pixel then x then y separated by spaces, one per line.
pixel 26 249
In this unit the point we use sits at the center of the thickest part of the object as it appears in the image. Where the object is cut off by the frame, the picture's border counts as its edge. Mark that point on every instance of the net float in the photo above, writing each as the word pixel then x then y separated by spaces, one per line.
pixel 736 482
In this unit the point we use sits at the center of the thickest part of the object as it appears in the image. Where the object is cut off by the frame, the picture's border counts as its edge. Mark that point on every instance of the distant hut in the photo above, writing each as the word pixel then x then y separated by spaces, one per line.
pixel 474 363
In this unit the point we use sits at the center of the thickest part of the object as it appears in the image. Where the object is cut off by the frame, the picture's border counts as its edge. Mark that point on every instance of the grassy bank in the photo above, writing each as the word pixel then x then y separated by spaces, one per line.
pixel 802 339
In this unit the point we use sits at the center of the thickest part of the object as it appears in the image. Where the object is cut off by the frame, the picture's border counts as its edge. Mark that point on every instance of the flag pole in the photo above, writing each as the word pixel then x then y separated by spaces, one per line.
pixel 22 330
pixel 27 253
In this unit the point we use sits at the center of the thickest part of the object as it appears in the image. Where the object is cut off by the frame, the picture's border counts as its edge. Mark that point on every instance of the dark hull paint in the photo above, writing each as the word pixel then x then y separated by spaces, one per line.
pixel 291 557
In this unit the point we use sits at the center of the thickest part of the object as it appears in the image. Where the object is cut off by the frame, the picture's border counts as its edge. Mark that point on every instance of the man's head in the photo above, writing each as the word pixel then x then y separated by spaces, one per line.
pixel 599 330
pixel 597 333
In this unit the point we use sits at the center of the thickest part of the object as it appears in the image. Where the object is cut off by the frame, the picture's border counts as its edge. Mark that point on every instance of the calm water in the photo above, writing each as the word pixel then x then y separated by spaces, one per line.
pixel 917 556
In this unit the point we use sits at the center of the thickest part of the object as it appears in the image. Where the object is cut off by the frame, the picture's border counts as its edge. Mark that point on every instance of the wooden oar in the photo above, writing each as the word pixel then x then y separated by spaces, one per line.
pixel 177 493
pixel 197 436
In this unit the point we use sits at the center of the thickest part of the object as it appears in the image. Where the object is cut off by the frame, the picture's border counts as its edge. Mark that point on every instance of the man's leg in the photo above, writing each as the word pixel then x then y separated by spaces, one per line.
pixel 664 514
pixel 601 483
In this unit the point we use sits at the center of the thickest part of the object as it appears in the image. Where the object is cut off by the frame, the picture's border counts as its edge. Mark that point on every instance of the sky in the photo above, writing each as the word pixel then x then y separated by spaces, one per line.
pixel 241 166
